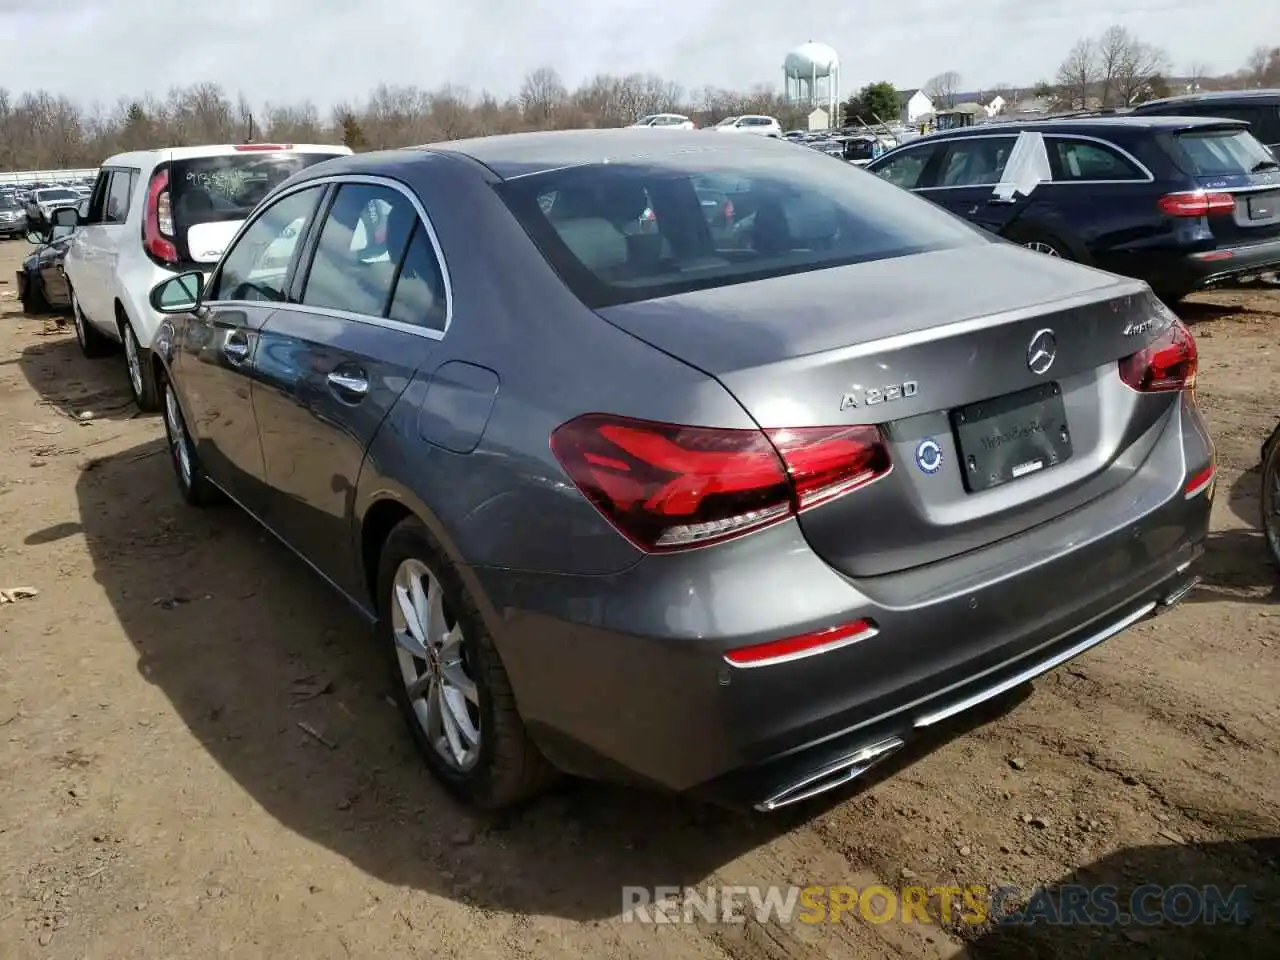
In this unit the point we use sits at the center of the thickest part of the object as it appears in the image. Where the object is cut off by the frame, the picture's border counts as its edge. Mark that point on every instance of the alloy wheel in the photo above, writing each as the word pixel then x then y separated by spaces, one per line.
pixel 132 354
pixel 432 653
pixel 1048 249
pixel 177 435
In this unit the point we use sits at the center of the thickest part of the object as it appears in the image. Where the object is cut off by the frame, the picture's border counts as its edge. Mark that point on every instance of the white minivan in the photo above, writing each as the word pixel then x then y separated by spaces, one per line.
pixel 155 214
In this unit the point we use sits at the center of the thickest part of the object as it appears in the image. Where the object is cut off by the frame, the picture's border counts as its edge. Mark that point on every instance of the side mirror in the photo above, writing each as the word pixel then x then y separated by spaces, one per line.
pixel 66 217
pixel 180 294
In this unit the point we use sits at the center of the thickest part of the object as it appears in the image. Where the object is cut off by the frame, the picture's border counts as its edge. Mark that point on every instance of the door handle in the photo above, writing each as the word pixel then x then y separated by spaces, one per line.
pixel 236 347
pixel 1003 200
pixel 349 384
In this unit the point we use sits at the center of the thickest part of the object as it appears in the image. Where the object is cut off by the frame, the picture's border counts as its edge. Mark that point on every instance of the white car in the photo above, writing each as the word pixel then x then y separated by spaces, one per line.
pixel 154 214
pixel 750 123
pixel 668 121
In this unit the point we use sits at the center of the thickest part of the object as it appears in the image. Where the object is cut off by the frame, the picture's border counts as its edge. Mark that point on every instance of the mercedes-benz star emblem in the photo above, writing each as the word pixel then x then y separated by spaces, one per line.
pixel 1041 351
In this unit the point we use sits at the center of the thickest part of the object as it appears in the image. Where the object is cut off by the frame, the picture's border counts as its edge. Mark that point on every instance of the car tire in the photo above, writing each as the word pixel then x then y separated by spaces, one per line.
pixel 33 299
pixel 93 343
pixel 142 378
pixel 193 484
pixel 1270 496
pixel 460 684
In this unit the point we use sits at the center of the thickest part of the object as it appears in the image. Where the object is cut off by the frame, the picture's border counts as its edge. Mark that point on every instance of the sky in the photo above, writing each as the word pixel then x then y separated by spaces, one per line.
pixel 330 51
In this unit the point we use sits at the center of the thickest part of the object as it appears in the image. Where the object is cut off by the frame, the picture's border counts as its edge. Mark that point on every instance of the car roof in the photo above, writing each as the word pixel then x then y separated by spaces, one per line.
pixel 1080 124
pixel 1212 96
pixel 138 158
pixel 524 154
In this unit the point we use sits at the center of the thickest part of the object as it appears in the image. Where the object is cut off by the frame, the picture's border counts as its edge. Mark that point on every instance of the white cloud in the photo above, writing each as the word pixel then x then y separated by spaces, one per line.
pixel 332 50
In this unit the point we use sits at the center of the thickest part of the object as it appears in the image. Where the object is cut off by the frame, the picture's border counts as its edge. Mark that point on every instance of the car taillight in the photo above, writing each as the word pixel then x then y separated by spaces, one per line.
pixel 728 210
pixel 1169 363
pixel 1196 203
pixel 669 487
pixel 157 221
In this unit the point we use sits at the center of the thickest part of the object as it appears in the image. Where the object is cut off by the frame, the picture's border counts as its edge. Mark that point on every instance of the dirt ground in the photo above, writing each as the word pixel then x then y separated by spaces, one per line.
pixel 158 797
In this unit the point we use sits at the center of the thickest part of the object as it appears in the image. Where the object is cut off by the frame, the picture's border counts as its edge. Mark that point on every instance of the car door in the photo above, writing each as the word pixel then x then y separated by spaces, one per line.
pixel 368 311
pixel 221 344
pixel 968 171
pixel 96 242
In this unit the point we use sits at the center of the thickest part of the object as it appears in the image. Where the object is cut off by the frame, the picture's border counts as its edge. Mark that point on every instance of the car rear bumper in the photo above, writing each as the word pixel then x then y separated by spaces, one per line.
pixel 1208 267
pixel 624 677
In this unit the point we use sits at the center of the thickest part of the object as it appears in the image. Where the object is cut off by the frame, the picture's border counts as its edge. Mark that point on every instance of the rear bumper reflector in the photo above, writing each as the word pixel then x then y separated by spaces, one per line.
pixel 1200 482
pixel 805 645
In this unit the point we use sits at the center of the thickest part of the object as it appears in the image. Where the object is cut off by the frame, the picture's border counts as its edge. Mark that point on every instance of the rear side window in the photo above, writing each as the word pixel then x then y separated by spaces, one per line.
pixel 1085 160
pixel 633 231
pixel 419 297
pixel 361 244
pixel 1223 153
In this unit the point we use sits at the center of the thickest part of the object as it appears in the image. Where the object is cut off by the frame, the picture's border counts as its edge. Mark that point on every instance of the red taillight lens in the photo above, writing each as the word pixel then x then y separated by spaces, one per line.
pixel 1169 363
pixel 1196 203
pixel 728 211
pixel 670 487
pixel 157 221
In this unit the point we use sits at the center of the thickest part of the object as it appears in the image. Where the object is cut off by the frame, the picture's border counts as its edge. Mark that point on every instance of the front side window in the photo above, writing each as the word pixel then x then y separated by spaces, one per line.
pixel 975 161
pixel 621 232
pixel 257 266
pixel 361 243
pixel 905 168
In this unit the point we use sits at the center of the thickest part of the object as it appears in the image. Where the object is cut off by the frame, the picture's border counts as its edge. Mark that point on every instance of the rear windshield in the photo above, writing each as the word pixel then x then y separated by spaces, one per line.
pixel 621 232
pixel 211 189
pixel 56 193
pixel 1224 153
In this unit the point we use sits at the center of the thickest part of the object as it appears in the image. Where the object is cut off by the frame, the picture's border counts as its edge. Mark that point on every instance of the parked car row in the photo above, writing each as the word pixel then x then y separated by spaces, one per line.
pixel 613 458
pixel 1180 202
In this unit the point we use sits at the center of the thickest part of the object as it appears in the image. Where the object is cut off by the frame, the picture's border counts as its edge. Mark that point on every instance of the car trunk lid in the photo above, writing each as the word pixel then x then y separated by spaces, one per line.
pixel 1000 400
pixel 1230 160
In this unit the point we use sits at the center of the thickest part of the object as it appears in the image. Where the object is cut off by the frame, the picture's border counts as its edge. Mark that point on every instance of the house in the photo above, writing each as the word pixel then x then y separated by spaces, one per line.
pixel 912 105
pixel 995 106
pixel 819 119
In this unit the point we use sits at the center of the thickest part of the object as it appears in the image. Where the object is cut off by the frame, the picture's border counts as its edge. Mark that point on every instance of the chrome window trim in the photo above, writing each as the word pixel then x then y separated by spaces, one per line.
pixel 1147 175
pixel 386 323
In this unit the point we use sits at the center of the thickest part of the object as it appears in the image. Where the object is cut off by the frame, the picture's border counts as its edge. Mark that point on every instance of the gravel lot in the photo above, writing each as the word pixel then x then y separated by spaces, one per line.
pixel 158 797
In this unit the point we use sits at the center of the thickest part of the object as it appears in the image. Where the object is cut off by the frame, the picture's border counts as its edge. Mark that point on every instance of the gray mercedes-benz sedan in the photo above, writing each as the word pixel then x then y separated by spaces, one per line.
pixel 732 498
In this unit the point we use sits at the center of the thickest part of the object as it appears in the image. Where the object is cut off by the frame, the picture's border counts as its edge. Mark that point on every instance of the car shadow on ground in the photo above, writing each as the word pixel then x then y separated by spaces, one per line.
pixel 249 646
pixel 74 385
pixel 1197 900
pixel 1237 561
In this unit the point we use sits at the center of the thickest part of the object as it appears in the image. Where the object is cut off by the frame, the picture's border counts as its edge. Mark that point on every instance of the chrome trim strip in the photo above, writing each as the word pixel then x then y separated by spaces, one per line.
pixel 1147 175
pixel 1030 673
pixel 831 776
pixel 342 178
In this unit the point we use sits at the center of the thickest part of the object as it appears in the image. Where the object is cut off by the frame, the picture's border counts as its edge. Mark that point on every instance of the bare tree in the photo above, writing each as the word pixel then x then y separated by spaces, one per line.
pixel 1141 66
pixel 1112 49
pixel 541 94
pixel 1078 74
pixel 942 88
pixel 1262 69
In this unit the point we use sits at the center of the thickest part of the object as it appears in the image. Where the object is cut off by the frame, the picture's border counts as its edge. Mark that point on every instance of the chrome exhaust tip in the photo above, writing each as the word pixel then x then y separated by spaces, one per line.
pixel 833 775
pixel 1179 592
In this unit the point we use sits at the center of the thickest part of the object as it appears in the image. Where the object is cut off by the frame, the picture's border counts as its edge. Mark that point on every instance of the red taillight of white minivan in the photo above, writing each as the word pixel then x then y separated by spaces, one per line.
pixel 157 221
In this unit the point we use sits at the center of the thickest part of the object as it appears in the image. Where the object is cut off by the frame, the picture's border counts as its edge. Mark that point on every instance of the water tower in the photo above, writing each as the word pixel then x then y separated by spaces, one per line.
pixel 811 76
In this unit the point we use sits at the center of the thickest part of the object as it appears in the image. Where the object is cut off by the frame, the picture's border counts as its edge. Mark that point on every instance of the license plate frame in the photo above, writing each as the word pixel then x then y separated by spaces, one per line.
pixel 1012 436
pixel 1262 208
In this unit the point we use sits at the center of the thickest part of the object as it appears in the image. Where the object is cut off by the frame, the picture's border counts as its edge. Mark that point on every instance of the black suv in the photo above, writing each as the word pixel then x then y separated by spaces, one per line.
pixel 1258 108
pixel 1180 202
